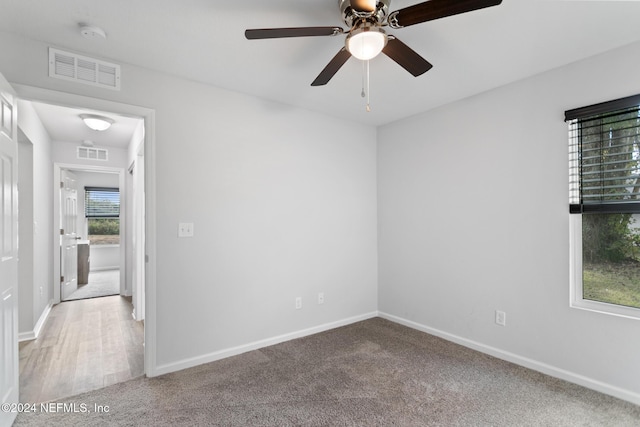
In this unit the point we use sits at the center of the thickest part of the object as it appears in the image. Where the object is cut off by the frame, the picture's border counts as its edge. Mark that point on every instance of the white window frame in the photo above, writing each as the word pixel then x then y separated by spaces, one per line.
pixel 575 276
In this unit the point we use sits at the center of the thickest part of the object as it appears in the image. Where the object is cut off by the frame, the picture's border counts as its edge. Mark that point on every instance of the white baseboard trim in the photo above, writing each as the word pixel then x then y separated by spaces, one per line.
pixel 234 351
pixel 553 371
pixel 32 335
pixel 26 336
pixel 113 267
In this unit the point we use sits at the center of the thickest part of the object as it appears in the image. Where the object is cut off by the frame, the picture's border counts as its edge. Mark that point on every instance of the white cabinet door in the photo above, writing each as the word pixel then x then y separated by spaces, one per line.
pixel 68 234
pixel 9 368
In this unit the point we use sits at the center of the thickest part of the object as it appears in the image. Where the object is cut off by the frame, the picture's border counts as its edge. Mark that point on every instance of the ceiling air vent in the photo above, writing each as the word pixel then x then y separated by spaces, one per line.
pixel 90 153
pixel 82 69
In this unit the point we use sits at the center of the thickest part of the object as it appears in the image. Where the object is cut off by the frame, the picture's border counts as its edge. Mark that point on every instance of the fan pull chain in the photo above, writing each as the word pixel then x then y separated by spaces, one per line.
pixel 363 93
pixel 365 83
pixel 368 91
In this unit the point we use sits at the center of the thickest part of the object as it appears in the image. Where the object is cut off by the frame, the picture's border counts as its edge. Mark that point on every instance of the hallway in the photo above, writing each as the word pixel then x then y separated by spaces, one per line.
pixel 84 345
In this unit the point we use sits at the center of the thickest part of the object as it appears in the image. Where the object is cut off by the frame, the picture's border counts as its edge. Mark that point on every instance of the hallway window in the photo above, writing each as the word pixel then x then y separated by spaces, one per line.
pixel 102 210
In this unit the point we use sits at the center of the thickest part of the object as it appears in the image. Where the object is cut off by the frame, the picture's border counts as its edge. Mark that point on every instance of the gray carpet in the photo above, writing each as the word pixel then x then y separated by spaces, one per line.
pixel 101 284
pixel 372 373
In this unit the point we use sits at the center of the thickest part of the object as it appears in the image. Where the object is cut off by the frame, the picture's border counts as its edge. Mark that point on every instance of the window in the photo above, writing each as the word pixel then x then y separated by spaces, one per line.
pixel 102 210
pixel 604 200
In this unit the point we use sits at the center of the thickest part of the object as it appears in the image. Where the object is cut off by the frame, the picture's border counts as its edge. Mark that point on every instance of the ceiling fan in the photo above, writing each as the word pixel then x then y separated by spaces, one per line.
pixel 366 37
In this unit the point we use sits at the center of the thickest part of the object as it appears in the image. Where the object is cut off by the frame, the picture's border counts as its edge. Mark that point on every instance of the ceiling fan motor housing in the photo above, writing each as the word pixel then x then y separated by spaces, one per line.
pixel 351 16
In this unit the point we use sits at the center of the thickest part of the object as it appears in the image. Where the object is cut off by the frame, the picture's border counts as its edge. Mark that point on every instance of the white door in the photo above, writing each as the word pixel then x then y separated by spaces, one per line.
pixel 8 250
pixel 68 234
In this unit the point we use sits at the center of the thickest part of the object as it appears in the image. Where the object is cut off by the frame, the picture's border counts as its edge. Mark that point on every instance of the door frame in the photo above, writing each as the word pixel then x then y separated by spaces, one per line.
pixel 30 93
pixel 122 257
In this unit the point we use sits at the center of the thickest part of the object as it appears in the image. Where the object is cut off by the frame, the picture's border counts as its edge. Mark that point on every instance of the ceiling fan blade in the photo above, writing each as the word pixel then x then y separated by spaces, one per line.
pixel 363 5
pixel 332 68
pixel 276 33
pixel 435 9
pixel 406 57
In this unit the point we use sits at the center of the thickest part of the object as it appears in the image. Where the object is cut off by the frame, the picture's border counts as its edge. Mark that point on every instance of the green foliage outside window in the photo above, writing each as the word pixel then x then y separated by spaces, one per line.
pixel 104 231
pixel 104 226
pixel 609 238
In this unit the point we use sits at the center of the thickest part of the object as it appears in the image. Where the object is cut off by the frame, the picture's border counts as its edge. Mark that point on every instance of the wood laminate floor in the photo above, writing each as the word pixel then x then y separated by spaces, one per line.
pixel 84 345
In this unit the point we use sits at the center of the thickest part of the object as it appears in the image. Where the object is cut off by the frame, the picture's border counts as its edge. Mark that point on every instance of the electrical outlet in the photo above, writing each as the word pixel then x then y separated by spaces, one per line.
pixel 41 291
pixel 501 318
pixel 321 298
pixel 298 303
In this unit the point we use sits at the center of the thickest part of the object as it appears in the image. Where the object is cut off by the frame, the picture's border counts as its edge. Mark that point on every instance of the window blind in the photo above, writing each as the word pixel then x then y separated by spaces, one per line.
pixel 100 202
pixel 604 157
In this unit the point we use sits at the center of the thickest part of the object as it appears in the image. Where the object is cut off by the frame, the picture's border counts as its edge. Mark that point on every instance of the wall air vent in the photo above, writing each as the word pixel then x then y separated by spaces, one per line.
pixel 90 153
pixel 82 69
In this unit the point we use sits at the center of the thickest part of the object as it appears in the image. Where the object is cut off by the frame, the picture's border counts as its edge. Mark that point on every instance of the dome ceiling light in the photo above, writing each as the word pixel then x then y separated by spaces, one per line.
pixel 96 122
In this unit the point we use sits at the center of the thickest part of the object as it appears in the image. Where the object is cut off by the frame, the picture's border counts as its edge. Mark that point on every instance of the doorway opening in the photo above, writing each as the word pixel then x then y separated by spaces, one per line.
pixel 115 259
pixel 92 234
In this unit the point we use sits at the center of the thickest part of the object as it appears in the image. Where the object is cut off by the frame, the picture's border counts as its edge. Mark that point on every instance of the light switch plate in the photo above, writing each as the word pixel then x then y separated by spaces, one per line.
pixel 185 229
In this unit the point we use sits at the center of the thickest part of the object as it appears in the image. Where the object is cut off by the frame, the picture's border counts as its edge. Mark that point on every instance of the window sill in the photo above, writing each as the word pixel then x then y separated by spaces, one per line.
pixel 606 308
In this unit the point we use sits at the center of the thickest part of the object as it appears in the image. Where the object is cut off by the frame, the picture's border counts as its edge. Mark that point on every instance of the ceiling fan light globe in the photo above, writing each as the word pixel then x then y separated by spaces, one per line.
pixel 366 43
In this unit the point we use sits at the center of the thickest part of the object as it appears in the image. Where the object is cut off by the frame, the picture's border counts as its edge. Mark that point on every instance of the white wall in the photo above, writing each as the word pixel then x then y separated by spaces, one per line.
pixel 284 205
pixel 473 217
pixel 283 201
pixel 25 233
pixel 105 257
pixel 36 302
pixel 66 152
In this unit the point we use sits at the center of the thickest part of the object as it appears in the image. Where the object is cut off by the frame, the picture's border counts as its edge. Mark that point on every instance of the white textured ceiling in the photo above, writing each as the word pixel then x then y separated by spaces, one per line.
pixel 64 124
pixel 203 40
